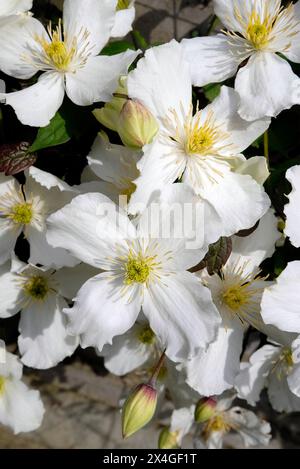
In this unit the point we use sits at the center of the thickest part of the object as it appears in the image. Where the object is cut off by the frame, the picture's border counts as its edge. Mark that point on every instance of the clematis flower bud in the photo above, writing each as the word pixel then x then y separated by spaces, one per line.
pixel 137 126
pixel 205 409
pixel 109 114
pixel 138 409
pixel 167 439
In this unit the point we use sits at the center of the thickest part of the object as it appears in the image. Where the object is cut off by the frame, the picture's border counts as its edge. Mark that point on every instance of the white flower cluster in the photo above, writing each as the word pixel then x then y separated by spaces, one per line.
pixel 118 262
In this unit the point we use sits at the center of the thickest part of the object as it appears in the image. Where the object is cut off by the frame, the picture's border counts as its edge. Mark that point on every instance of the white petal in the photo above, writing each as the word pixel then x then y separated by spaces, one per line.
pixel 71 279
pixel 210 58
pixel 181 421
pixel 41 252
pixel 235 203
pixel 225 11
pixel 10 293
pixel 256 167
pixel 259 245
pixel 16 53
pixel 252 429
pixel 98 78
pixel 11 7
pixel 162 81
pixel 294 381
pixel 113 163
pixel 20 408
pixel 240 132
pixel 37 104
pixel 159 167
pixel 292 227
pixel 262 96
pixel 126 353
pixel 253 376
pixel 177 217
pixel 293 52
pixel 282 399
pixel 8 237
pixel 43 340
pixel 294 375
pixel 181 313
pixel 11 366
pixel 101 312
pixel 202 373
pixel 89 228
pixel 280 302
pixel 97 18
pixel 123 22
pixel 48 180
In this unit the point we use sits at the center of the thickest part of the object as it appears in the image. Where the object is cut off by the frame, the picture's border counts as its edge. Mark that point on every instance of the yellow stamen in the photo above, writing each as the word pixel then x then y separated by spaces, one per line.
pixel 137 270
pixel 146 335
pixel 258 30
pixel 236 296
pixel 217 423
pixel 36 287
pixel 58 53
pixel 201 137
pixel 240 296
pixel 21 213
pixel 123 4
pixel 2 385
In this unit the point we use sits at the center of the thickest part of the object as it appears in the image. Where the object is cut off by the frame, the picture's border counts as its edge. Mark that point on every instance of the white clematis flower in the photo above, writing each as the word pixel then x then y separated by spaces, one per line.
pixel 124 18
pixel 237 293
pixel 292 227
pixel 21 409
pixel 253 430
pixel 137 347
pixel 25 209
pixel 14 7
pixel 280 302
pixel 139 271
pixel 203 149
pixel 259 32
pixel 69 57
pixel 278 369
pixel 43 341
pixel 114 165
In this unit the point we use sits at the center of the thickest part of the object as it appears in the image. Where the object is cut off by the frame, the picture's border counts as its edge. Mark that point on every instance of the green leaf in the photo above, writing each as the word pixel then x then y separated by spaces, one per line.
pixel 117 47
pixel 212 91
pixel 55 133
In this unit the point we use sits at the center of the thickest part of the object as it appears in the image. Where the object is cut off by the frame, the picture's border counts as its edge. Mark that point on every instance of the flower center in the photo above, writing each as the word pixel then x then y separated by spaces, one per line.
pixel 21 213
pixel 2 385
pixel 216 424
pixel 37 287
pixel 236 296
pixel 58 54
pixel 287 356
pixel 146 335
pixel 137 270
pixel 123 4
pixel 202 137
pixel 258 31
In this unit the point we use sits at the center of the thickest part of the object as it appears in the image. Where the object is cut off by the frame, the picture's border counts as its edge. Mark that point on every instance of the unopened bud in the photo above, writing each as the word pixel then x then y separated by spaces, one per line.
pixel 138 409
pixel 168 439
pixel 205 409
pixel 137 126
pixel 109 114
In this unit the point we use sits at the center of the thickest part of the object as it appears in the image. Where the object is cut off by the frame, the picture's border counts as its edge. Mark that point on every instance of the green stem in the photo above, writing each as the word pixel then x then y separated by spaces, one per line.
pixel 157 369
pixel 212 25
pixel 266 147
